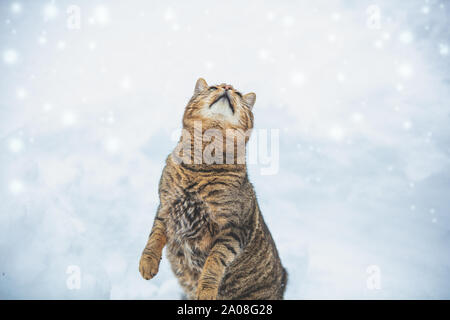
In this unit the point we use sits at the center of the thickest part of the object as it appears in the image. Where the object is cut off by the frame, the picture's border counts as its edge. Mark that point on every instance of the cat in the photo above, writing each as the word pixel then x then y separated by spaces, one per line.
pixel 218 244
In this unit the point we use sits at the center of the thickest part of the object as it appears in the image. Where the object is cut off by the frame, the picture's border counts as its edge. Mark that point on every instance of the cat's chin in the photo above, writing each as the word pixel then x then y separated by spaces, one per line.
pixel 225 100
pixel 220 110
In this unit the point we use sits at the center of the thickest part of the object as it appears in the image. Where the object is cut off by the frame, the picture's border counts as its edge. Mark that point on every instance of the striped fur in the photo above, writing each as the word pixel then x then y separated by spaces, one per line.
pixel 218 244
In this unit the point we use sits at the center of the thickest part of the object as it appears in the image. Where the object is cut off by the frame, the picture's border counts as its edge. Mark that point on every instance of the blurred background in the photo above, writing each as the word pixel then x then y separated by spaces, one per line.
pixel 91 93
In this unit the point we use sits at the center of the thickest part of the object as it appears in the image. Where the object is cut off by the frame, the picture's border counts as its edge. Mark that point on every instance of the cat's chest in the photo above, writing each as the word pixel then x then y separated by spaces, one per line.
pixel 190 231
pixel 190 218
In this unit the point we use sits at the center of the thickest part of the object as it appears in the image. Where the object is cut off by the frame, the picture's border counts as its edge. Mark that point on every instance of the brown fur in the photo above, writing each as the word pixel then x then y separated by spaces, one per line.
pixel 217 242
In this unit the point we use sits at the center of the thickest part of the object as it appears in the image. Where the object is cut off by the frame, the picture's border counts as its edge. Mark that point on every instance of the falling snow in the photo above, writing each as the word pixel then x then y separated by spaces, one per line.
pixel 15 145
pixel 102 16
pixel 10 56
pixel 16 8
pixel 50 11
pixel 443 49
pixel 406 37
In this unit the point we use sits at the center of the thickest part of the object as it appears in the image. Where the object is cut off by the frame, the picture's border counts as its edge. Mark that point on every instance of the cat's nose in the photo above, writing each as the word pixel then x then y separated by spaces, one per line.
pixel 228 87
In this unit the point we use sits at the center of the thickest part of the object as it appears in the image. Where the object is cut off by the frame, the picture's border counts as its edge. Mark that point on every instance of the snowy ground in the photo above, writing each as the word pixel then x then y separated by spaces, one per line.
pixel 359 91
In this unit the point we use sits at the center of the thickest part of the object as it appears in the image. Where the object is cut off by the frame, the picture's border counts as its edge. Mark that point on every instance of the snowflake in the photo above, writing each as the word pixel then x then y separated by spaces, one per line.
pixel 270 16
pixel 126 83
pixel 263 54
pixel 443 49
pixel 10 56
pixel 68 118
pixel 405 70
pixel 47 107
pixel 340 77
pixel 298 79
pixel 288 21
pixel 169 14
pixel 50 11
pixel 16 186
pixel 112 145
pixel 61 45
pixel 407 125
pixel 16 7
pixel 102 16
pixel 21 93
pixel 357 117
pixel 378 44
pixel 15 145
pixel 336 16
pixel 42 40
pixel 406 37
pixel 209 65
pixel 337 133
pixel 399 87
pixel 332 38
pixel 110 119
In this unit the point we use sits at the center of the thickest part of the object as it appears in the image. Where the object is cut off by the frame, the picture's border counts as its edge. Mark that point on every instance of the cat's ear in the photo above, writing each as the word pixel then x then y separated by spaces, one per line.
pixel 250 99
pixel 200 85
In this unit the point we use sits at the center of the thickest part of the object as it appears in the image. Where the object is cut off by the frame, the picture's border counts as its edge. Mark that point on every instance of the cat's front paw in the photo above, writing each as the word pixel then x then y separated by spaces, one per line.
pixel 206 294
pixel 148 266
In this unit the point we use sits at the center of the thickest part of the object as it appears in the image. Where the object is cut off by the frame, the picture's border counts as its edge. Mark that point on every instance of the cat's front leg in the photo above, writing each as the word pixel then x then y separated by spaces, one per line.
pixel 225 249
pixel 151 256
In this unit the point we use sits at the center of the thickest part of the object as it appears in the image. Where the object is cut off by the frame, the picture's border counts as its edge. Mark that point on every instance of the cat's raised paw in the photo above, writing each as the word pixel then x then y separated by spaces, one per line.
pixel 148 266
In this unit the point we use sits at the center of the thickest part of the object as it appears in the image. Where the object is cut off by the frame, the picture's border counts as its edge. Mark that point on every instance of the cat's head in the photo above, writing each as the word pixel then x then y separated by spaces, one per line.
pixel 219 107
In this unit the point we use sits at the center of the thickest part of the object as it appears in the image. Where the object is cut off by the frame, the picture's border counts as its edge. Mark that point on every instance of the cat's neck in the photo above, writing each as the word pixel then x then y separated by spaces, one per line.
pixel 203 149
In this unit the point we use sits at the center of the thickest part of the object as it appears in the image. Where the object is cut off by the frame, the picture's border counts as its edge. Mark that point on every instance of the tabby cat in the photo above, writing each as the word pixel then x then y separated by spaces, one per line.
pixel 218 244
